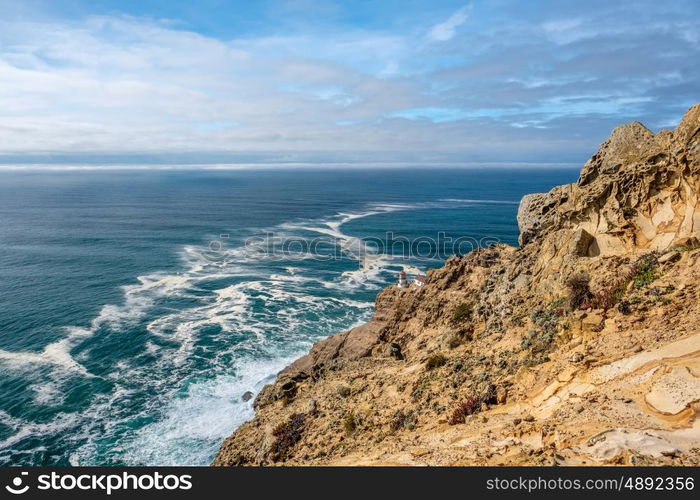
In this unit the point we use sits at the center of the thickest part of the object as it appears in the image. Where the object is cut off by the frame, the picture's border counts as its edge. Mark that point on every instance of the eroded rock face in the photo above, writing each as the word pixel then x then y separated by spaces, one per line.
pixel 492 362
pixel 639 192
pixel 347 346
pixel 628 144
pixel 534 211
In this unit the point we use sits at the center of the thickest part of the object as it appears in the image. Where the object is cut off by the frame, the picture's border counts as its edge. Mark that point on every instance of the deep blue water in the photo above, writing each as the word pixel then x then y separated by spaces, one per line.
pixel 136 307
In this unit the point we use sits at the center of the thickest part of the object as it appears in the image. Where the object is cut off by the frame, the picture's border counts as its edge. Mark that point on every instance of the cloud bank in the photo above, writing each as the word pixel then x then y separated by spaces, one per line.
pixel 506 81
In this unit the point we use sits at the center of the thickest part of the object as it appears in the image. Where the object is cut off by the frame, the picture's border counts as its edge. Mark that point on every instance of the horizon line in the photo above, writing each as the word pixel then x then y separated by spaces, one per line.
pixel 277 165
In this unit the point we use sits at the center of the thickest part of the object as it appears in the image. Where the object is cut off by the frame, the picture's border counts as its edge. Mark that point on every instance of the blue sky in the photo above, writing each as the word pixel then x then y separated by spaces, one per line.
pixel 311 80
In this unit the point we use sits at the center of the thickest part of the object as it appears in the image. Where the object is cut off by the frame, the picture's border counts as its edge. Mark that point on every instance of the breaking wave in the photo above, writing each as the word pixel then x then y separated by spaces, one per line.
pixel 167 367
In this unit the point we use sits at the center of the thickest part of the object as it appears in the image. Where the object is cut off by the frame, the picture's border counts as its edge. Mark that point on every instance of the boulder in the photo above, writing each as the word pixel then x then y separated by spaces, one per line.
pixel 394 350
pixel 535 209
pixel 581 243
pixel 346 346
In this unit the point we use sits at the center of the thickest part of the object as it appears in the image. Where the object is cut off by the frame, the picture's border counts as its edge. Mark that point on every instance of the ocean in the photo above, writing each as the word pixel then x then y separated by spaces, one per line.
pixel 138 306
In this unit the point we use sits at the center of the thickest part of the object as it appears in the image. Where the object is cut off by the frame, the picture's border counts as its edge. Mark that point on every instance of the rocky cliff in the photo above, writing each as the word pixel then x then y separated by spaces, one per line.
pixel 581 346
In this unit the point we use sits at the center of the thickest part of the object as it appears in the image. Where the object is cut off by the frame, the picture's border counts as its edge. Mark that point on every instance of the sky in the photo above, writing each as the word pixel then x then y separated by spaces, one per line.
pixel 338 81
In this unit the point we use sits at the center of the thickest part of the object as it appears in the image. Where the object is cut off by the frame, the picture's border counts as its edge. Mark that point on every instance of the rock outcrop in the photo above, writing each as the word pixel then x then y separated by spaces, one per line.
pixel 581 346
pixel 639 192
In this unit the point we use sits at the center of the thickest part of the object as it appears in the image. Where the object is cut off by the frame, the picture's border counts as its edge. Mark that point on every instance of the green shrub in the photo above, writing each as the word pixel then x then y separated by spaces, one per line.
pixel 644 270
pixel 645 278
pixel 435 361
pixel 535 359
pixel 462 313
pixel 546 319
pixel 624 307
pixel 641 273
pixel 349 423
pixel 537 341
pixel 401 420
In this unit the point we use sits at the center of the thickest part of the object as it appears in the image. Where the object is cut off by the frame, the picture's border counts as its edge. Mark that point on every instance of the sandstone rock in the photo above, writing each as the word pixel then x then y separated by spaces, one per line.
pixel 687 242
pixel 534 208
pixel 311 407
pixel 247 396
pixel 347 346
pixel 627 143
pixel 592 322
pixel 577 357
pixel 674 391
pixel 288 390
pixel 635 192
pixel 581 243
pixel 501 395
pixel 669 257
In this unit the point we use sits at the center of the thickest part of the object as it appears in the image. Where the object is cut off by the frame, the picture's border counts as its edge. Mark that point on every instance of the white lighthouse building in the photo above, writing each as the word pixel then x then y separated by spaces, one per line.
pixel 402 280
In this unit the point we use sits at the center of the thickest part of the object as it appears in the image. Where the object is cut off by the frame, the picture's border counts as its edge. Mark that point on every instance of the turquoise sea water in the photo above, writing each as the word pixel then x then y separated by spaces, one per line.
pixel 136 307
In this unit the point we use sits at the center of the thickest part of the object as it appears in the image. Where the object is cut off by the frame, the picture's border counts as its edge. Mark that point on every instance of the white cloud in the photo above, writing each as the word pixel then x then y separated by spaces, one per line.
pixel 123 84
pixel 447 30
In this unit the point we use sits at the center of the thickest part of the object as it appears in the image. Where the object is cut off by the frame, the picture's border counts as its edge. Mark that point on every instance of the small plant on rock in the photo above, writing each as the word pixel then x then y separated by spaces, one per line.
pixel 537 341
pixel 624 307
pixel 349 423
pixel 462 313
pixel 287 434
pixel 644 270
pixel 456 338
pixel 467 407
pixel 579 290
pixel 454 341
pixel 546 319
pixel 401 420
pixel 435 361
pixel 687 247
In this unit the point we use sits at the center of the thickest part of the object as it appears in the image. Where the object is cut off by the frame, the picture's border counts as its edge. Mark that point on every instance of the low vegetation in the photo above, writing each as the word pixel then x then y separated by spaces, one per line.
pixel 349 423
pixel 462 313
pixel 403 420
pixel 435 361
pixel 538 340
pixel 644 270
pixel 287 434
pixel 467 407
pixel 640 274
pixel 579 290
pixel 690 245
